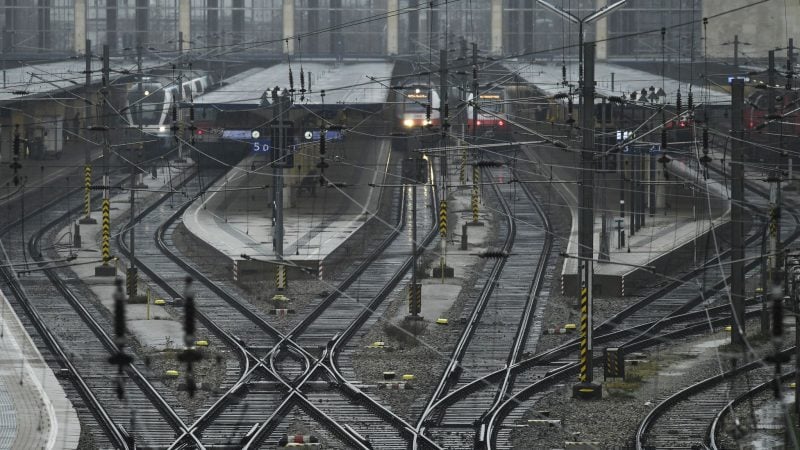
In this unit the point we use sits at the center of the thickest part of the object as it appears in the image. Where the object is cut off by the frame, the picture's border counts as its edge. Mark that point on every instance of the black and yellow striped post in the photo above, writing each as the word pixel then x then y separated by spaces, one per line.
pixel 443 219
pixel 414 299
pixel 280 277
pixel 585 361
pixel 106 243
pixel 87 196
pixel 106 269
pixel 585 389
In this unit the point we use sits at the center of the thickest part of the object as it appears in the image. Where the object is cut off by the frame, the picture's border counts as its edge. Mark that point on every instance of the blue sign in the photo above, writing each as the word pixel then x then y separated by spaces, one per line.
pixel 330 135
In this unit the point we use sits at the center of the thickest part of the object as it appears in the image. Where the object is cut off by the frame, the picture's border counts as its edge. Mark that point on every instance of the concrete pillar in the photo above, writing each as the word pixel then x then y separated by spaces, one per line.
pixel 288 25
pixel 392 38
pixel 185 23
pixel 497 27
pixel 601 33
pixel 79 36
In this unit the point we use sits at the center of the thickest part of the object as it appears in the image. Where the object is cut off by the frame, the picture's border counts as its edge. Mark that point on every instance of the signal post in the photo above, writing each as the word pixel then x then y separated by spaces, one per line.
pixel 585 389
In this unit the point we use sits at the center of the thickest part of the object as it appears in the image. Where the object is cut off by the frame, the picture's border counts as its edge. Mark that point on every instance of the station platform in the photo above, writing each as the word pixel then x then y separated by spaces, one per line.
pixel 34 409
pixel 668 239
pixel 326 83
pixel 236 217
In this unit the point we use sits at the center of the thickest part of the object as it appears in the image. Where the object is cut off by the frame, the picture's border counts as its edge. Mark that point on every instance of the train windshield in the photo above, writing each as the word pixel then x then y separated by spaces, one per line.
pixel 146 103
pixel 491 102
pixel 416 101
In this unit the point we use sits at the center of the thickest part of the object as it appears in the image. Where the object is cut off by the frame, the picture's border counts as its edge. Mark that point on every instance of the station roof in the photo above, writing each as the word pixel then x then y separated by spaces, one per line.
pixel 50 78
pixel 548 77
pixel 344 84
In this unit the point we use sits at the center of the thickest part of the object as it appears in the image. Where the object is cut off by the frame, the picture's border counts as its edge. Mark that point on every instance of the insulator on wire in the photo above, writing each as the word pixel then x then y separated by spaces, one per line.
pixel 291 80
pixel 174 113
pixel 678 103
pixel 428 112
pixel 690 102
pixel 322 140
pixel 302 80
pixel 705 140
pixel 191 112
pixel 663 139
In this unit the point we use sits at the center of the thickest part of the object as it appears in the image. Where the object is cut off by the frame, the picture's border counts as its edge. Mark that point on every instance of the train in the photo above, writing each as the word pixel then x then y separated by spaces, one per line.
pixel 152 102
pixel 491 120
pixel 417 106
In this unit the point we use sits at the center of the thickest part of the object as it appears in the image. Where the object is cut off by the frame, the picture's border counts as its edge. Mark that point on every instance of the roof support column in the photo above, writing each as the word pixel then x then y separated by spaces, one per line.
pixel 288 26
pixel 79 37
pixel 392 38
pixel 601 33
pixel 185 24
pixel 497 27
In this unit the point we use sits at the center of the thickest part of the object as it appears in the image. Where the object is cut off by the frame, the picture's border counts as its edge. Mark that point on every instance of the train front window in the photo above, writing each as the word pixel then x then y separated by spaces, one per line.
pixel 491 103
pixel 415 102
pixel 146 103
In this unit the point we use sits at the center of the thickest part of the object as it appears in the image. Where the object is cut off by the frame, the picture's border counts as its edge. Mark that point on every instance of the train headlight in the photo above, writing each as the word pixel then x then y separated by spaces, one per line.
pixel 162 129
pixel 501 123
pixel 426 122
pixel 408 123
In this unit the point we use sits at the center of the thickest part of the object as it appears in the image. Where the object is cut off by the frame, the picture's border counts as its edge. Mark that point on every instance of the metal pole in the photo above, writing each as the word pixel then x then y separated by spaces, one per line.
pixel 474 92
pixel 585 389
pixel 132 275
pixel 737 214
pixel 443 113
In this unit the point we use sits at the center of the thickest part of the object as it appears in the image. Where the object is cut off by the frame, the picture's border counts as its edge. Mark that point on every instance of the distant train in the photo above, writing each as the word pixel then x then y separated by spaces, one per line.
pixel 492 114
pixel 786 103
pixel 150 100
pixel 417 106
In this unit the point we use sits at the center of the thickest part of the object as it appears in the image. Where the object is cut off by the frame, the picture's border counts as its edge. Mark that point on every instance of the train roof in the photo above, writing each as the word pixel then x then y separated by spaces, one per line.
pixel 344 84
pixel 51 78
pixel 548 77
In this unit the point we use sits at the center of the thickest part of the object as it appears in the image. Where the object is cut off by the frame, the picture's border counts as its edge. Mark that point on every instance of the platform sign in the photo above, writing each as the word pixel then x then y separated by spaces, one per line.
pixel 330 135
pixel 261 146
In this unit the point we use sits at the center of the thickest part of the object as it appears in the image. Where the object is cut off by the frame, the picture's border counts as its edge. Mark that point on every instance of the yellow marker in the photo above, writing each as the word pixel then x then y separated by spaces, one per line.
pixel 378 344
pixel 570 327
pixel 202 343
pixel 409 377
pixel 792 385
pixel 160 302
pixel 280 298
pixel 728 328
pixel 441 321
pixel 172 373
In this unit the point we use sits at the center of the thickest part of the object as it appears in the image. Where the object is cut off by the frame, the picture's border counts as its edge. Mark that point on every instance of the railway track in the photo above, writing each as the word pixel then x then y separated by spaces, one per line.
pixel 358 303
pixel 248 401
pixel 506 303
pixel 51 301
pixel 716 431
pixel 663 328
pixel 683 419
pixel 539 372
